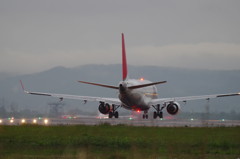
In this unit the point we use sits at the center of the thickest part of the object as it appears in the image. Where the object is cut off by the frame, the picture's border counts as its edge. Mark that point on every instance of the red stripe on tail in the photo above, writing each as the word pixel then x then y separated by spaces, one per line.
pixel 124 60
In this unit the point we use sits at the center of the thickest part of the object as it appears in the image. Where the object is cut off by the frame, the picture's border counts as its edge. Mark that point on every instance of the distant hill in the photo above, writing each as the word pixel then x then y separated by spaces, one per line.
pixel 181 82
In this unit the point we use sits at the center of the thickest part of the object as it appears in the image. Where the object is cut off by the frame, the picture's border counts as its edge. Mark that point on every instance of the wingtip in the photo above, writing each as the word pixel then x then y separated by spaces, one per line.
pixel 22 85
pixel 25 91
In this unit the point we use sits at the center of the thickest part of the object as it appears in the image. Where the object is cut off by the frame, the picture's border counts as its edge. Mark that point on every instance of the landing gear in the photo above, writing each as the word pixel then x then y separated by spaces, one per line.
pixel 145 115
pixel 110 114
pixel 116 114
pixel 158 112
pixel 113 113
pixel 155 115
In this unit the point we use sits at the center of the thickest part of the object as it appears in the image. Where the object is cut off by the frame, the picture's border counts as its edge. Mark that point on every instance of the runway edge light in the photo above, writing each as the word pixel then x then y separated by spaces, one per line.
pixel 34 121
pixel 23 121
pixel 45 121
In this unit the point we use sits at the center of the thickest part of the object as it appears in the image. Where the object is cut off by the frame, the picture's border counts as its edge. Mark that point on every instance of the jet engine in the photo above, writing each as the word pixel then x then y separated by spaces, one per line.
pixel 104 108
pixel 173 108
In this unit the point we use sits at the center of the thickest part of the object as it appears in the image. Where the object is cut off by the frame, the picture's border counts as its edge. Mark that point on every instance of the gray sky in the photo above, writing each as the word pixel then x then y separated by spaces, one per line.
pixel 38 35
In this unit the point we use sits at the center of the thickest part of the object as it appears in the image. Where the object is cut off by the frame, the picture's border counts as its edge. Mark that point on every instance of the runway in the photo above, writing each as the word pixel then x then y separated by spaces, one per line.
pixel 151 123
pixel 123 121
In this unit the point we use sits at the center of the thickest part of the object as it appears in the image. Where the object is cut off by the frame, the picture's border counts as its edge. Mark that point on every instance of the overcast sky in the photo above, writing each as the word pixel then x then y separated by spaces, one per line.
pixel 38 35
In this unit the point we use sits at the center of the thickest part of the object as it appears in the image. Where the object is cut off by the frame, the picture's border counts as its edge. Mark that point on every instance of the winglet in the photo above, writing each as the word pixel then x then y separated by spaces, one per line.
pixel 23 87
pixel 124 60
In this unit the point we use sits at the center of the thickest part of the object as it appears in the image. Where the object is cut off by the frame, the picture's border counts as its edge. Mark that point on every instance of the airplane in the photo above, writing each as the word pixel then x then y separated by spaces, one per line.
pixel 133 94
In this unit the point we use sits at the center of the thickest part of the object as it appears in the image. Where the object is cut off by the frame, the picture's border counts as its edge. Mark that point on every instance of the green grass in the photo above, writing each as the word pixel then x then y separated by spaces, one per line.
pixel 119 142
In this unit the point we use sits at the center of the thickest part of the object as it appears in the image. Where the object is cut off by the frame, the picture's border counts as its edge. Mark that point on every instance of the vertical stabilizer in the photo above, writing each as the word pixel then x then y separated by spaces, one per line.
pixel 124 60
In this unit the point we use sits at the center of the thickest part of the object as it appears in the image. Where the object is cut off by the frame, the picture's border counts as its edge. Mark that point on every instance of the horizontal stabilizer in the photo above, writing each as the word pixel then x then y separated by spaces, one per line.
pixel 101 85
pixel 131 87
pixel 146 85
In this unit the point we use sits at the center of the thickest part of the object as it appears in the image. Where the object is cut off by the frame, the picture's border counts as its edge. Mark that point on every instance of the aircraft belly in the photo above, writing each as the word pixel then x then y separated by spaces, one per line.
pixel 133 102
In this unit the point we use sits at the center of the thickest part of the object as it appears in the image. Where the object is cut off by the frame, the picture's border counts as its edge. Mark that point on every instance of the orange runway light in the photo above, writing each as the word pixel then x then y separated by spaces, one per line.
pixel 45 121
pixel 23 121
pixel 34 121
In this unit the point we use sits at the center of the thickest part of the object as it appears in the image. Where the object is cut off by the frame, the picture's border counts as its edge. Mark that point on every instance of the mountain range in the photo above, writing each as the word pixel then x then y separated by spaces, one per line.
pixel 180 82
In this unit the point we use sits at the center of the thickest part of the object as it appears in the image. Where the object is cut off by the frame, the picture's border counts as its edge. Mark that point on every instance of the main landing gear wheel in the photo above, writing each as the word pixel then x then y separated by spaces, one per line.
pixel 110 115
pixel 158 112
pixel 160 115
pixel 155 115
pixel 145 115
pixel 113 113
pixel 116 114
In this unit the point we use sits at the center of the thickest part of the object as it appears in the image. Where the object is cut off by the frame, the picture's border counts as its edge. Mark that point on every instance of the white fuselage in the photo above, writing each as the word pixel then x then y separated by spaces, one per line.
pixel 136 99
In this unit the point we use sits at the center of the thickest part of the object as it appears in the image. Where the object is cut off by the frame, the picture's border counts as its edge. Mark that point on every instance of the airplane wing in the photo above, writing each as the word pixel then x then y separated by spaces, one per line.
pixel 83 98
pixel 189 98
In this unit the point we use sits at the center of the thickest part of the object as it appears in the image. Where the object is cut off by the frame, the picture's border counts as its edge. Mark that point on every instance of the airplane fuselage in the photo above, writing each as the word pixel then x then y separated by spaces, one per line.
pixel 136 99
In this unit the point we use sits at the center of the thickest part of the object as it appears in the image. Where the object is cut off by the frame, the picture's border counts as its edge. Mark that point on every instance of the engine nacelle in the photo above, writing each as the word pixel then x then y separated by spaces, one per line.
pixel 173 108
pixel 104 108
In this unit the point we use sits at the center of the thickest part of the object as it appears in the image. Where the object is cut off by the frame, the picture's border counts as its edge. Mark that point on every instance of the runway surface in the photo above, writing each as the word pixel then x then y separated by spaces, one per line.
pixel 124 121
